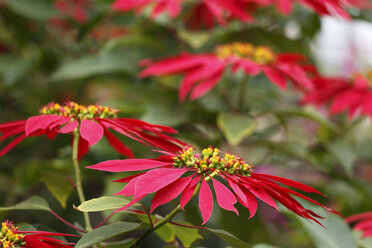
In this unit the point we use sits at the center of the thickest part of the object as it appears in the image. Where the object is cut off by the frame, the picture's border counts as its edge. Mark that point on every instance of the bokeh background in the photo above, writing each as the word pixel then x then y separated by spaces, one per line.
pixel 91 55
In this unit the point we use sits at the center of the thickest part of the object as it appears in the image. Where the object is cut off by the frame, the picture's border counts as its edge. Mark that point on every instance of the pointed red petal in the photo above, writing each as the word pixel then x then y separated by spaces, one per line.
pixel 173 65
pixel 134 201
pixel 68 128
pixel 203 87
pixel 12 132
pixel 275 77
pixel 251 203
pixel 225 198
pixel 205 201
pixel 156 179
pixel 12 144
pixel 188 192
pixel 134 164
pixel 128 178
pixel 83 148
pixel 169 192
pixel 35 123
pixel 263 195
pixel 129 189
pixel 91 131
pixel 288 182
pixel 117 144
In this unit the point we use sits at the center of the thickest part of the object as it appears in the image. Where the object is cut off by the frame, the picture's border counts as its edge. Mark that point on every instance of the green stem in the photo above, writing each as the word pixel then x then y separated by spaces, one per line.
pixel 79 186
pixel 242 91
pixel 175 211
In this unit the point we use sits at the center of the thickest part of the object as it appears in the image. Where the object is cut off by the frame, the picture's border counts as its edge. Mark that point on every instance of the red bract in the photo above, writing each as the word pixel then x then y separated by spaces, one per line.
pixel 186 174
pixel 343 95
pixel 321 7
pixel 92 122
pixel 364 223
pixel 203 71
pixel 12 237
pixel 208 12
pixel 75 9
pixel 202 12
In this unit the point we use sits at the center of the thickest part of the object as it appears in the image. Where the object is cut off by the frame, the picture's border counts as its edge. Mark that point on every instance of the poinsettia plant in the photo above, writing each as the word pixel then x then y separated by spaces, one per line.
pixel 183 123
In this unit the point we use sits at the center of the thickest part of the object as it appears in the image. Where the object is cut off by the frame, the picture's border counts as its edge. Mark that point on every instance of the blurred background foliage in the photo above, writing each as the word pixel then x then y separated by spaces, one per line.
pixel 49 55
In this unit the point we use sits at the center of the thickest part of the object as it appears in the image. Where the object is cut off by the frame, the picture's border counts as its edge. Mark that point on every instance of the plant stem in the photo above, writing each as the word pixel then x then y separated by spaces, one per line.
pixel 65 221
pixel 79 187
pixel 242 91
pixel 175 211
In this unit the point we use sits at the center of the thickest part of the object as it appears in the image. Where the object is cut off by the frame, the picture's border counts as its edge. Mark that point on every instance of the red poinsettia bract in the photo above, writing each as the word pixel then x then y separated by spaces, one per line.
pixel 343 95
pixel 12 237
pixel 93 122
pixel 364 223
pixel 75 9
pixel 203 71
pixel 321 7
pixel 185 173
pixel 202 12
pixel 207 12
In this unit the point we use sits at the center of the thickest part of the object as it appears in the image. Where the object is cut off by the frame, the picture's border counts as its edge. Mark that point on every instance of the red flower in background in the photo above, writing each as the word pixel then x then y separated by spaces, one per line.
pixel 12 237
pixel 203 71
pixel 321 7
pixel 343 95
pixel 202 12
pixel 186 174
pixel 364 223
pixel 74 9
pixel 93 122
pixel 208 12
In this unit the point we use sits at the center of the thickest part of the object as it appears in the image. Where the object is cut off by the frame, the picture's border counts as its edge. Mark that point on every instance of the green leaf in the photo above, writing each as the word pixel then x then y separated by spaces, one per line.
pixel 186 235
pixel 36 9
pixel 164 115
pixel 166 233
pixel 102 203
pixel 58 185
pixel 32 203
pixel 194 39
pixel 308 113
pixel 362 242
pixel 264 246
pixel 344 153
pixel 105 232
pixel 336 233
pixel 121 244
pixel 229 238
pixel 13 68
pixel 235 127
pixel 91 65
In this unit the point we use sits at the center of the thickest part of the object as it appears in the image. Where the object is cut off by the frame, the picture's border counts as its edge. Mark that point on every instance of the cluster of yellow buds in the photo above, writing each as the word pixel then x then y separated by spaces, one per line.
pixel 260 54
pixel 9 236
pixel 72 109
pixel 210 160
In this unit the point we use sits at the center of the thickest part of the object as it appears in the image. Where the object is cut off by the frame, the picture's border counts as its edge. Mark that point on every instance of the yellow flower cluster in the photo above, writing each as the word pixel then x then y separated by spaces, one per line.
pixel 260 54
pixel 9 238
pixel 210 159
pixel 72 109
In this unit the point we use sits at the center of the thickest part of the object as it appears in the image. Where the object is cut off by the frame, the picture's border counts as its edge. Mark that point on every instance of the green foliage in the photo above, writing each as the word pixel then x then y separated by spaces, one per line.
pixel 235 127
pixel 105 232
pixel 102 203
pixel 41 10
pixel 32 203
pixel 334 234
pixel 94 65
pixel 230 238
pixel 58 185
pixel 48 56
